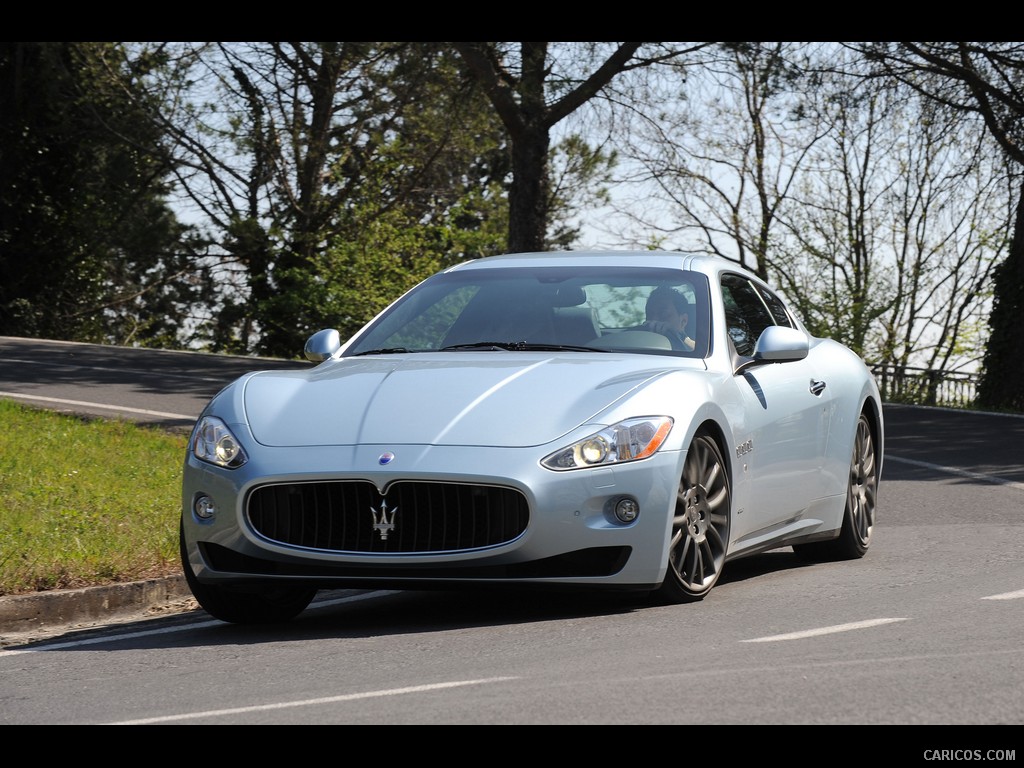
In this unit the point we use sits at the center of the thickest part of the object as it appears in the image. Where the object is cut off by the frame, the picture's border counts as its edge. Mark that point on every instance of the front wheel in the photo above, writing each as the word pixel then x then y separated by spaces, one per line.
pixel 700 526
pixel 269 605
pixel 859 516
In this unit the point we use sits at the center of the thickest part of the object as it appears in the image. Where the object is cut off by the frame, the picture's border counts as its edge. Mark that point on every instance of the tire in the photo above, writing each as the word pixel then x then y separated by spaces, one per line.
pixel 700 526
pixel 271 605
pixel 861 496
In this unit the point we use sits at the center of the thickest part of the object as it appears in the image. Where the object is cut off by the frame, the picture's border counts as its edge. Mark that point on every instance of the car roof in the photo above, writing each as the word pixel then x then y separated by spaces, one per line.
pixel 671 259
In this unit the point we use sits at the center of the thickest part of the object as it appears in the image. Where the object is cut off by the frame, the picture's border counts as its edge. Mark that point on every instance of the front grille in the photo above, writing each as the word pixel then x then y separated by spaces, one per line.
pixel 351 516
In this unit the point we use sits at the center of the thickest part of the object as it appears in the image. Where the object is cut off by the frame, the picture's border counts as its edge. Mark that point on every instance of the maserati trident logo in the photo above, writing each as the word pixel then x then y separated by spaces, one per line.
pixel 384 519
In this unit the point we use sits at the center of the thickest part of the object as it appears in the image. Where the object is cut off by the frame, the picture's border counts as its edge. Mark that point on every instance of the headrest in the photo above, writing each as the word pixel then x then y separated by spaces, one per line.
pixel 569 296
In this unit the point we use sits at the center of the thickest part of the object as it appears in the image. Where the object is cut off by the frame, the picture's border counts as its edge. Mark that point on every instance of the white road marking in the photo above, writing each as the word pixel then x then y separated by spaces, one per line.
pixel 313 702
pixel 1006 596
pixel 823 631
pixel 111 638
pixel 114 638
pixel 960 472
pixel 86 404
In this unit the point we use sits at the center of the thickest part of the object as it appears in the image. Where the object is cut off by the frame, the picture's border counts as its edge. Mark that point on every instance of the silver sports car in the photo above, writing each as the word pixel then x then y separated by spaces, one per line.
pixel 622 420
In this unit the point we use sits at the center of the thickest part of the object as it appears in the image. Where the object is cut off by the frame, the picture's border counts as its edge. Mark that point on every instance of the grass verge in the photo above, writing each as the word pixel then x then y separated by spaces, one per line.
pixel 85 502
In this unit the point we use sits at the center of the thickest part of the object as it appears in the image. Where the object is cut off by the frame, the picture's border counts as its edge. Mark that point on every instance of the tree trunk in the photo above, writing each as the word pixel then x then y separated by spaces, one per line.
pixel 528 196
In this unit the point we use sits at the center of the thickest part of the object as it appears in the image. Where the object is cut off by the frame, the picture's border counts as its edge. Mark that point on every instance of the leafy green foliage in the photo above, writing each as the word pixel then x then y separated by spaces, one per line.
pixel 354 279
pixel 1000 385
pixel 352 154
pixel 87 242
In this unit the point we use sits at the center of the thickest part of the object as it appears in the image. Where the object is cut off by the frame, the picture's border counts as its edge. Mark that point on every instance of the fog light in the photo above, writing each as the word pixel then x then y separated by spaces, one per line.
pixel 204 508
pixel 626 510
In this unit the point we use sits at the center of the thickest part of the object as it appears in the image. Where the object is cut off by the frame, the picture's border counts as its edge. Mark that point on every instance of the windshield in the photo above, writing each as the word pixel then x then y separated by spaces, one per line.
pixel 658 311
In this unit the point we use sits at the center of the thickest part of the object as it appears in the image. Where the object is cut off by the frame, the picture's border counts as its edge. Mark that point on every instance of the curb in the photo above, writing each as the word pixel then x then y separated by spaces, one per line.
pixel 46 611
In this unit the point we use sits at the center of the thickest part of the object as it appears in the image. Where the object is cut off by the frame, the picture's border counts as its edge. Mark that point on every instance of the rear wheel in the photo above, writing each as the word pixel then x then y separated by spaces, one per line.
pixel 269 605
pixel 700 527
pixel 859 517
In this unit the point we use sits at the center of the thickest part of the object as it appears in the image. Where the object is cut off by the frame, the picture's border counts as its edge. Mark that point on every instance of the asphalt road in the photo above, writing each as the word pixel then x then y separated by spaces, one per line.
pixel 969 445
pixel 153 387
pixel 924 630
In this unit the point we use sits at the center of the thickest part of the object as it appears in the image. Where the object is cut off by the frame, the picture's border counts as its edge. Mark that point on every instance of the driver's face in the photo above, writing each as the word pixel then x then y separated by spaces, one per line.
pixel 665 312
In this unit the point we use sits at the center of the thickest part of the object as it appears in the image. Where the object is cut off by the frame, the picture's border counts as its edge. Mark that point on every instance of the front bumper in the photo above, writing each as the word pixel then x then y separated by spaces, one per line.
pixel 569 537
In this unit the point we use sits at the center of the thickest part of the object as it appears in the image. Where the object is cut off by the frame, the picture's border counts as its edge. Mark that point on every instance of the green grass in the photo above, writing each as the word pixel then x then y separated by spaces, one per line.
pixel 85 502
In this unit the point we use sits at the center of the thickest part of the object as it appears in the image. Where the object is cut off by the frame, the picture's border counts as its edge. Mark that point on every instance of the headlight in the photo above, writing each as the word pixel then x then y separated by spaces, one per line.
pixel 213 442
pixel 628 440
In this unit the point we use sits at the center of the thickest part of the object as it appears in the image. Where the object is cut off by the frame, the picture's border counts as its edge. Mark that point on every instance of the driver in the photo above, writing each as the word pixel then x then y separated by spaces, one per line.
pixel 667 313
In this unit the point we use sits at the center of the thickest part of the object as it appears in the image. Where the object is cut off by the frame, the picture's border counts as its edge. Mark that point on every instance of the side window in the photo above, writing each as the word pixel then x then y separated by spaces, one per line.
pixel 745 313
pixel 776 307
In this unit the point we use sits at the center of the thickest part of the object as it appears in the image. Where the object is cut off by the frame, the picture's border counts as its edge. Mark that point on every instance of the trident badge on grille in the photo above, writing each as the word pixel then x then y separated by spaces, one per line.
pixel 384 520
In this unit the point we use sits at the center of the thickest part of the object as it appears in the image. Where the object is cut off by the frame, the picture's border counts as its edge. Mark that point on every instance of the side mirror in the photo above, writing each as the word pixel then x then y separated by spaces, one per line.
pixel 777 344
pixel 322 345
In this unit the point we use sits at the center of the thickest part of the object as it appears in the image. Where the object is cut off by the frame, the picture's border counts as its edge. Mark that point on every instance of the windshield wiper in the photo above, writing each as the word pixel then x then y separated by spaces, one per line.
pixel 507 345
pixel 385 351
pixel 557 348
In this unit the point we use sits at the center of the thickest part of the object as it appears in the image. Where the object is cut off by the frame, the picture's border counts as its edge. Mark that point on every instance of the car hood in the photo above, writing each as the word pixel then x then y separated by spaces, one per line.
pixel 465 399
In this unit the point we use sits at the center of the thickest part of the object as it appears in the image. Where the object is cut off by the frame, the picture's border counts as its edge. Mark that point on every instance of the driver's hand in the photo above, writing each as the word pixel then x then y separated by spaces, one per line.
pixel 659 326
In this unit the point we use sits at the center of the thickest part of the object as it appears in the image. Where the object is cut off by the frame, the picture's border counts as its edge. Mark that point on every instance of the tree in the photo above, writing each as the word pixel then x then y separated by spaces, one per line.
pixel 986 78
pixel 722 190
pixel 875 212
pixel 894 227
pixel 89 248
pixel 288 151
pixel 532 91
